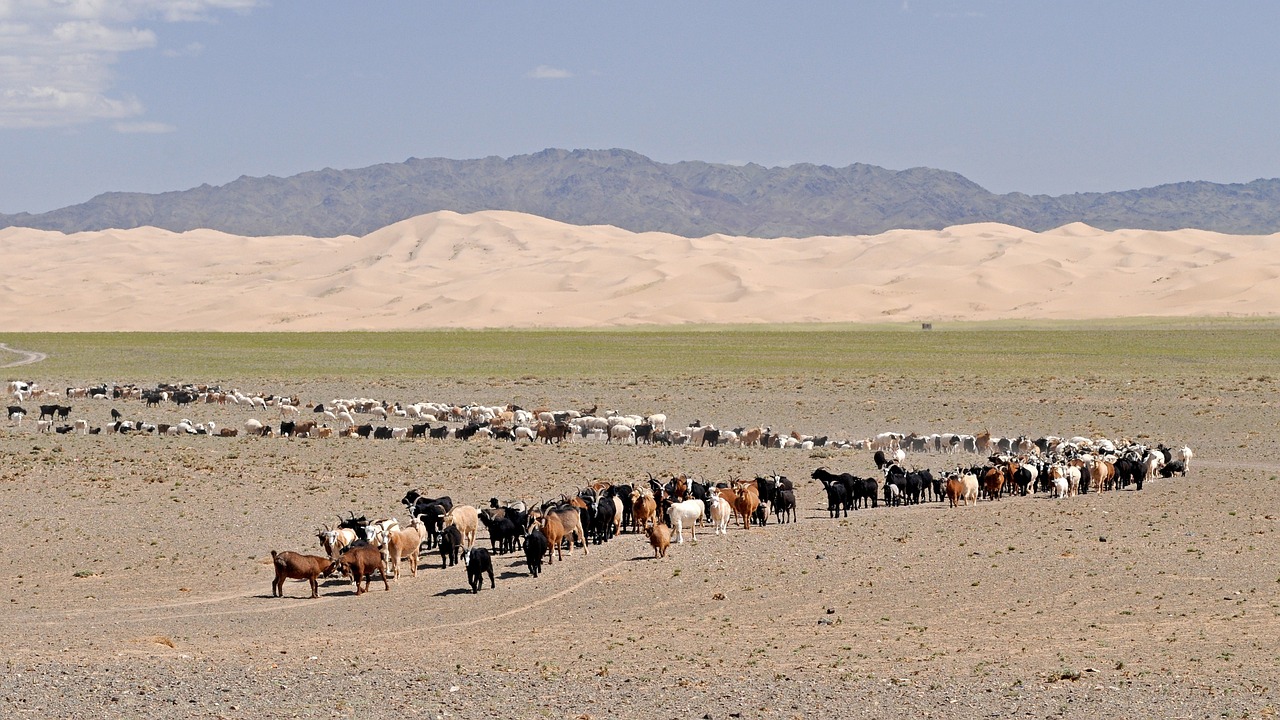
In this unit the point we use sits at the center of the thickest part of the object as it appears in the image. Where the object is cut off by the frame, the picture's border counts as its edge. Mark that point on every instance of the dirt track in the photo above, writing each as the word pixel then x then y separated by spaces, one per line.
pixel 25 357
pixel 138 582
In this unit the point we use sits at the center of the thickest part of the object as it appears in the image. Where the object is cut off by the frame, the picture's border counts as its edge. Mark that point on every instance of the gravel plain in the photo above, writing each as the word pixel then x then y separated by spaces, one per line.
pixel 137 571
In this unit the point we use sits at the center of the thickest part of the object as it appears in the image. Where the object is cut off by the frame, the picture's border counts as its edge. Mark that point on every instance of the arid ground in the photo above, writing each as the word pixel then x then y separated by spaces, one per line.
pixel 137 569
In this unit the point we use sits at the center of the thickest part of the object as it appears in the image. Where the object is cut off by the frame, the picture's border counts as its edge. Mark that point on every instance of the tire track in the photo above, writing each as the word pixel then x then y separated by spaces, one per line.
pixel 25 357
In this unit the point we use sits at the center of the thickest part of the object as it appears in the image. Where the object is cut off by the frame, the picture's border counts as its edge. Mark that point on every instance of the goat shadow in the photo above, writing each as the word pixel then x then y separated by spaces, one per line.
pixel 454 591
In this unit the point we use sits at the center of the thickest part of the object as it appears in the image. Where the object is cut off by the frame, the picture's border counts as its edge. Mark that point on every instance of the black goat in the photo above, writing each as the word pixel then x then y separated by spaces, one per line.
pixel 535 547
pixel 450 546
pixel 478 563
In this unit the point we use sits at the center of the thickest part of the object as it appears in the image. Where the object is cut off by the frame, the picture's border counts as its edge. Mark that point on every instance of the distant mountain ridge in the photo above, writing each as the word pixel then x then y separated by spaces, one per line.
pixel 630 191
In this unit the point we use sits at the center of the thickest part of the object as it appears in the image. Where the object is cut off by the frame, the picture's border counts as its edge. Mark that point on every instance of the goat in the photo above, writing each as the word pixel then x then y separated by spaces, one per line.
pixel 503 531
pixel 296 566
pixel 571 519
pixel 467 519
pixel 784 505
pixel 644 509
pixel 837 497
pixel 535 546
pixel 720 512
pixel 450 546
pixel 406 543
pixel 553 530
pixel 689 512
pixel 360 561
pixel 955 490
pixel 335 541
pixel 558 523
pixel 660 538
pixel 478 562
pixel 746 500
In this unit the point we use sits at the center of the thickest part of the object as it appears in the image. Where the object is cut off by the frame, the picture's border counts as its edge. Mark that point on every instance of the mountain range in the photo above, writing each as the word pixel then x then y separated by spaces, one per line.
pixel 630 191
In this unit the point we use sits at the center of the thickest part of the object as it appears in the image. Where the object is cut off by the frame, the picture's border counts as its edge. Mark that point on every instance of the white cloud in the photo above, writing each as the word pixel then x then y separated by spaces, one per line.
pixel 546 72
pixel 143 127
pixel 56 56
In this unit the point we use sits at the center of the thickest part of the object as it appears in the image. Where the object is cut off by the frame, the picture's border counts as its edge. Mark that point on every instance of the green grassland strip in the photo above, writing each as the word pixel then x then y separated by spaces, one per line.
pixel 1219 348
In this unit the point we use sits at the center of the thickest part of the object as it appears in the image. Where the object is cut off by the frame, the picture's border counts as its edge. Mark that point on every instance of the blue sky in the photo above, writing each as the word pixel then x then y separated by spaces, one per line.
pixel 1017 95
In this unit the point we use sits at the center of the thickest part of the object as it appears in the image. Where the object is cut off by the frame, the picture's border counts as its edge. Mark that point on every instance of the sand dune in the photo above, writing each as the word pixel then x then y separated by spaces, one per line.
pixel 504 269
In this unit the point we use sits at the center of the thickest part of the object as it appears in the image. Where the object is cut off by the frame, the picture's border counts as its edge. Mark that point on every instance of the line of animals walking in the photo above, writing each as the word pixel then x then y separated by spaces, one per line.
pixel 357 547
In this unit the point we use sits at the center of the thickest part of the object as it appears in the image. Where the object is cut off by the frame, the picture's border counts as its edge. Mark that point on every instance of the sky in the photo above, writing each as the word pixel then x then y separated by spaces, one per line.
pixel 1016 95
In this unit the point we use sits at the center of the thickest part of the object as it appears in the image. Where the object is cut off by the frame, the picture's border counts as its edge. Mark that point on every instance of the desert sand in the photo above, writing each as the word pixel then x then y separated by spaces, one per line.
pixel 505 269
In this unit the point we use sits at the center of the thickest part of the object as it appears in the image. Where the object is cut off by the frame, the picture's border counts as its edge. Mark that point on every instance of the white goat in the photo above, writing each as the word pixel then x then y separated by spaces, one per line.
pixel 689 512
pixel 720 512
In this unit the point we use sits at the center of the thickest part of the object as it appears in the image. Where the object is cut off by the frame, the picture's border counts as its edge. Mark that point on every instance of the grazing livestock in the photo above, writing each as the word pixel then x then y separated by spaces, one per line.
pixel 406 543
pixel 535 546
pixel 450 546
pixel 1184 454
pixel 563 523
pixel 644 508
pixel 1057 476
pixel 1170 468
pixel 430 510
pixel 970 493
pixel 335 541
pixel 553 530
pixel 360 561
pixel 720 511
pixel 837 497
pixel 992 480
pixel 955 490
pixel 478 562
pixel 862 491
pixel 746 500
pixel 784 505
pixel 52 411
pixel 467 519
pixel 659 535
pixel 503 530
pixel 296 566
pixel 689 513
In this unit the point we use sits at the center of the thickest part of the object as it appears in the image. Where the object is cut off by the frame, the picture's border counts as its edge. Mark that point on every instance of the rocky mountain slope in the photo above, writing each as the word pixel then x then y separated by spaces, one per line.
pixel 630 191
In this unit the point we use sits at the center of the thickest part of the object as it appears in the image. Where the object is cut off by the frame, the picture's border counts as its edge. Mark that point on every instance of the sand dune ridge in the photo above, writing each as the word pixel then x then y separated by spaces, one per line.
pixel 506 269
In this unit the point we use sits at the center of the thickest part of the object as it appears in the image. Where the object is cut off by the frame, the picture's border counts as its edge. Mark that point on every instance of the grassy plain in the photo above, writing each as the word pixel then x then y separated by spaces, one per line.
pixel 1145 348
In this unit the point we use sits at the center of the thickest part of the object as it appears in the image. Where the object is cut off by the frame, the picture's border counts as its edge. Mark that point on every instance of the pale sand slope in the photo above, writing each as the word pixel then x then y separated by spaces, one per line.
pixel 505 269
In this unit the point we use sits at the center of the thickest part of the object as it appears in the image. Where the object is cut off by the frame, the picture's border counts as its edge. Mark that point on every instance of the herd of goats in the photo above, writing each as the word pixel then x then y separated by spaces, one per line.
pixel 357 547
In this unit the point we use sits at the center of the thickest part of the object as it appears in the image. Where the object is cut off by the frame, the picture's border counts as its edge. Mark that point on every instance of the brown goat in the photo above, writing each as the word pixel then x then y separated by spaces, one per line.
pixel 360 561
pixel 660 538
pixel 571 521
pixel 553 529
pixel 746 498
pixel 296 566
pixel 643 508
pixel 955 490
